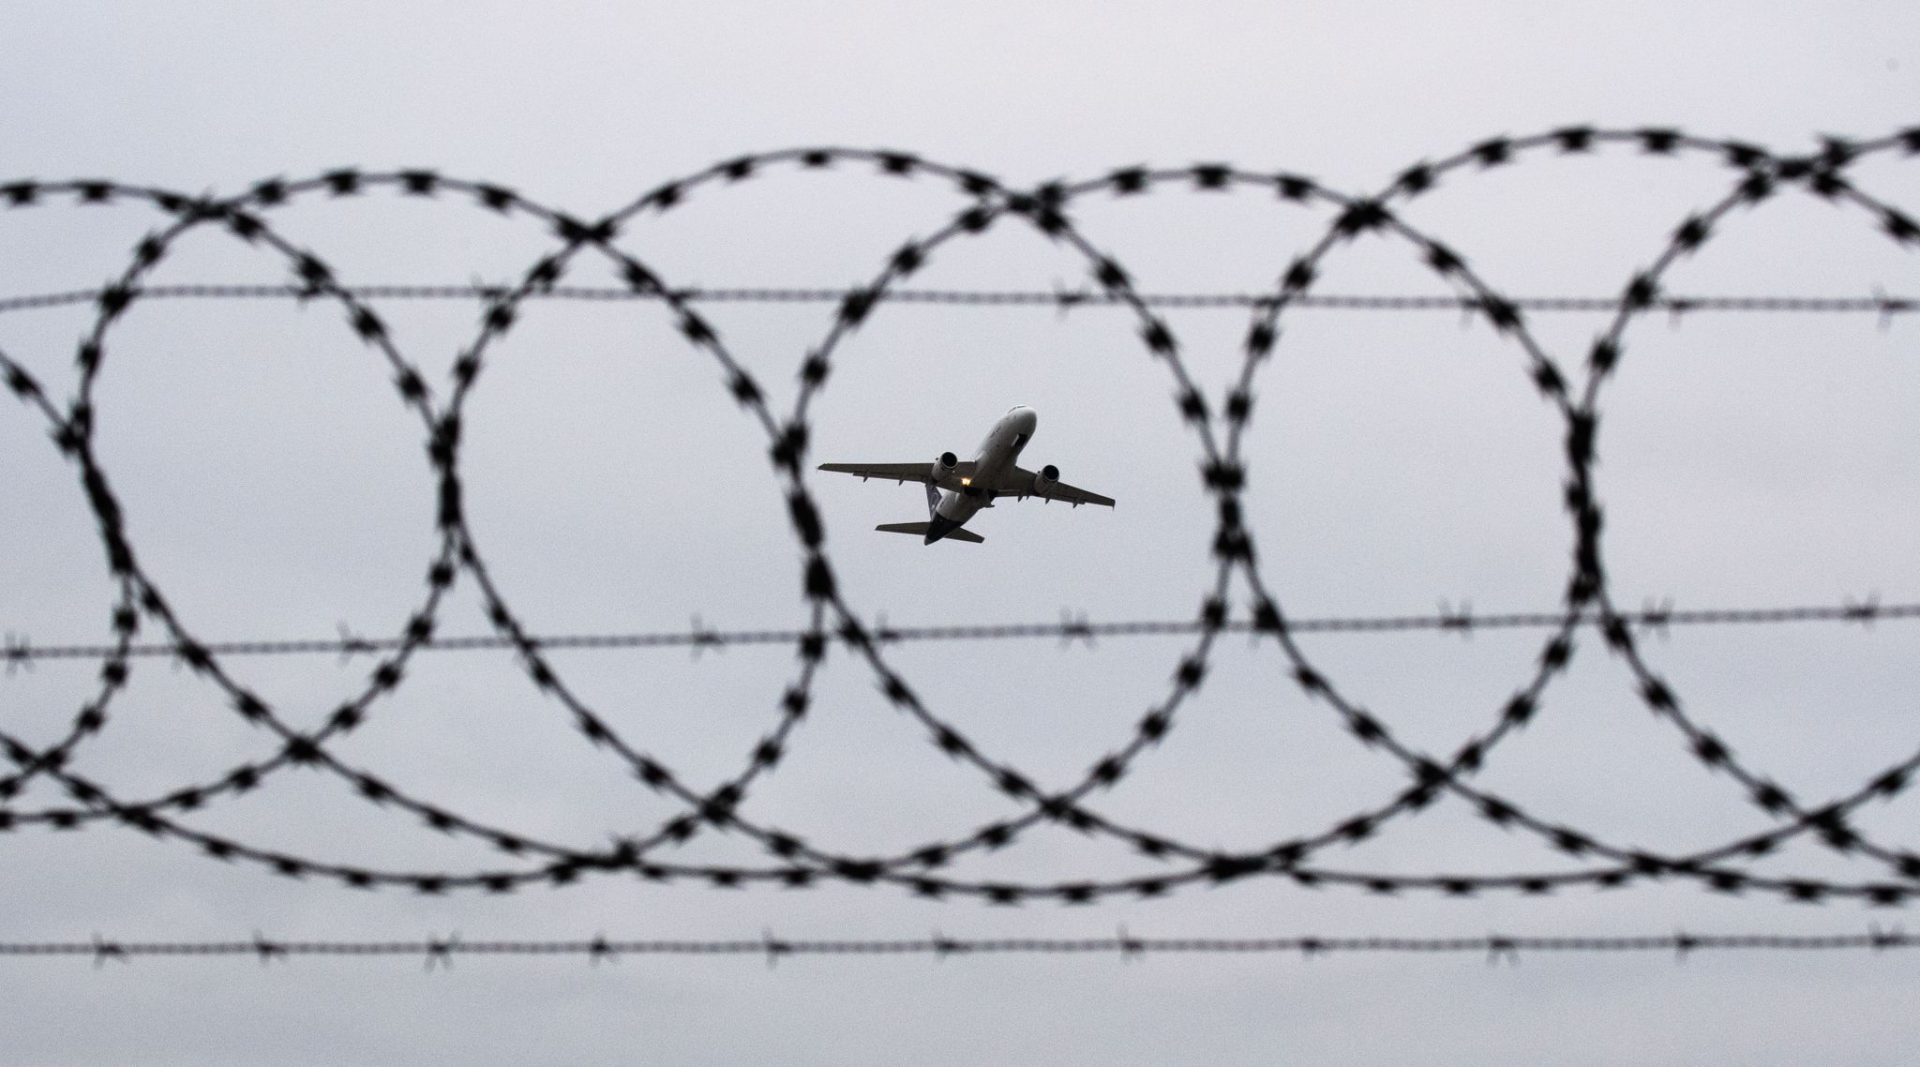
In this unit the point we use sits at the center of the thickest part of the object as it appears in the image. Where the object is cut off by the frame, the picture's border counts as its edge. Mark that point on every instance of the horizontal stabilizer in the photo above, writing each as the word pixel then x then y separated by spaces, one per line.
pixel 956 534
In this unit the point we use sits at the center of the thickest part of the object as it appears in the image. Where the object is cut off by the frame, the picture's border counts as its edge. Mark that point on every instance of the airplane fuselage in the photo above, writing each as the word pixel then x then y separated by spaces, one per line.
pixel 999 453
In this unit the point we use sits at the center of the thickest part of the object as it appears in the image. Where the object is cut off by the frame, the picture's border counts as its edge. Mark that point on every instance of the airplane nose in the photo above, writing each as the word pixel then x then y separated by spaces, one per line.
pixel 1026 419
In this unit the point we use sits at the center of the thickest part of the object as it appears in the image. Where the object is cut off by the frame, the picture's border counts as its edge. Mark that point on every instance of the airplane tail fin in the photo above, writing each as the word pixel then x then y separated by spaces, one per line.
pixel 957 534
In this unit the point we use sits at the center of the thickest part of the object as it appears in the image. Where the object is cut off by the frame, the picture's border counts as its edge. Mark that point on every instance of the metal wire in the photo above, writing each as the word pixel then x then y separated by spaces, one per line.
pixel 440 951
pixel 17 650
pixel 1218 430
pixel 1062 299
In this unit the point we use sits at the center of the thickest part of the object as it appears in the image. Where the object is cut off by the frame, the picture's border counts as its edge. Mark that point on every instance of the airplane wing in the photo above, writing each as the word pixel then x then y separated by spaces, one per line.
pixel 1018 482
pixel 905 472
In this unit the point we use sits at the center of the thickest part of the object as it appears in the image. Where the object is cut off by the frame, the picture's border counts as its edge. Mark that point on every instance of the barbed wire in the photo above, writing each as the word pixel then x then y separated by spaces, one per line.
pixel 18 650
pixel 1060 299
pixel 795 861
pixel 440 951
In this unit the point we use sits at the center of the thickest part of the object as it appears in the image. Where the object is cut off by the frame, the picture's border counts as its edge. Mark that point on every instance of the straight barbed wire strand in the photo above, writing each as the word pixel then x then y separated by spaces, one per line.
pixel 440 951
pixel 1064 300
pixel 19 650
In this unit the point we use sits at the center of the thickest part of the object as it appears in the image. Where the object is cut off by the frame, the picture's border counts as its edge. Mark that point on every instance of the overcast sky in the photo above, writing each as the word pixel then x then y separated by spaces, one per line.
pixel 275 488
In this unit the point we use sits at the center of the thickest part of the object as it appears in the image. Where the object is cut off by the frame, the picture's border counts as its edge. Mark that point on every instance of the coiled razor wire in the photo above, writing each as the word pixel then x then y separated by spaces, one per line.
pixel 794 860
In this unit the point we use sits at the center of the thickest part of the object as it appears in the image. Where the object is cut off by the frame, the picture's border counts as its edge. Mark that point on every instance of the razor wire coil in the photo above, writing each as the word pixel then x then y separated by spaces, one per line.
pixel 1217 428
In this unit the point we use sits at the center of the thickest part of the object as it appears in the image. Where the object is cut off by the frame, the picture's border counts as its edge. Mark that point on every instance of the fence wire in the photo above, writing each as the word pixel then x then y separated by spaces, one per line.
pixel 19 651
pixel 1880 304
pixel 440 951
pixel 1218 426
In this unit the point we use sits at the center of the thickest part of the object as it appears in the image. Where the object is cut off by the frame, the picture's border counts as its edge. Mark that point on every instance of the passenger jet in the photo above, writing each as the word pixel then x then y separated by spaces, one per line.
pixel 957 488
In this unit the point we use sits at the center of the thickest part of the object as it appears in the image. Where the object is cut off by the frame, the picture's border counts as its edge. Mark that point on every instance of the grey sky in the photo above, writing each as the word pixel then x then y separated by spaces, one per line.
pixel 274 488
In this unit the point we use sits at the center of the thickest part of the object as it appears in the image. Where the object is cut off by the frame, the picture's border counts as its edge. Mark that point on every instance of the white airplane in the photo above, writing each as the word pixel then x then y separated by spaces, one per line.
pixel 956 488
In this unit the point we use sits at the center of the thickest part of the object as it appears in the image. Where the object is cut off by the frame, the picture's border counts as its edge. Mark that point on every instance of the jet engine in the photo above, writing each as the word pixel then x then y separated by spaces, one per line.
pixel 1047 477
pixel 944 464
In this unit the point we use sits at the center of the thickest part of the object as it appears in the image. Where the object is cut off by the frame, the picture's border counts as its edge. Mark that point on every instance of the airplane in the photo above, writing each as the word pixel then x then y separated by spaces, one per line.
pixel 957 488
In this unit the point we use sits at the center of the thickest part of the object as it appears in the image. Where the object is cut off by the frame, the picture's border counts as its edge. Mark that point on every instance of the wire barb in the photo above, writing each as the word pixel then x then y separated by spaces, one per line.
pixel 18 652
